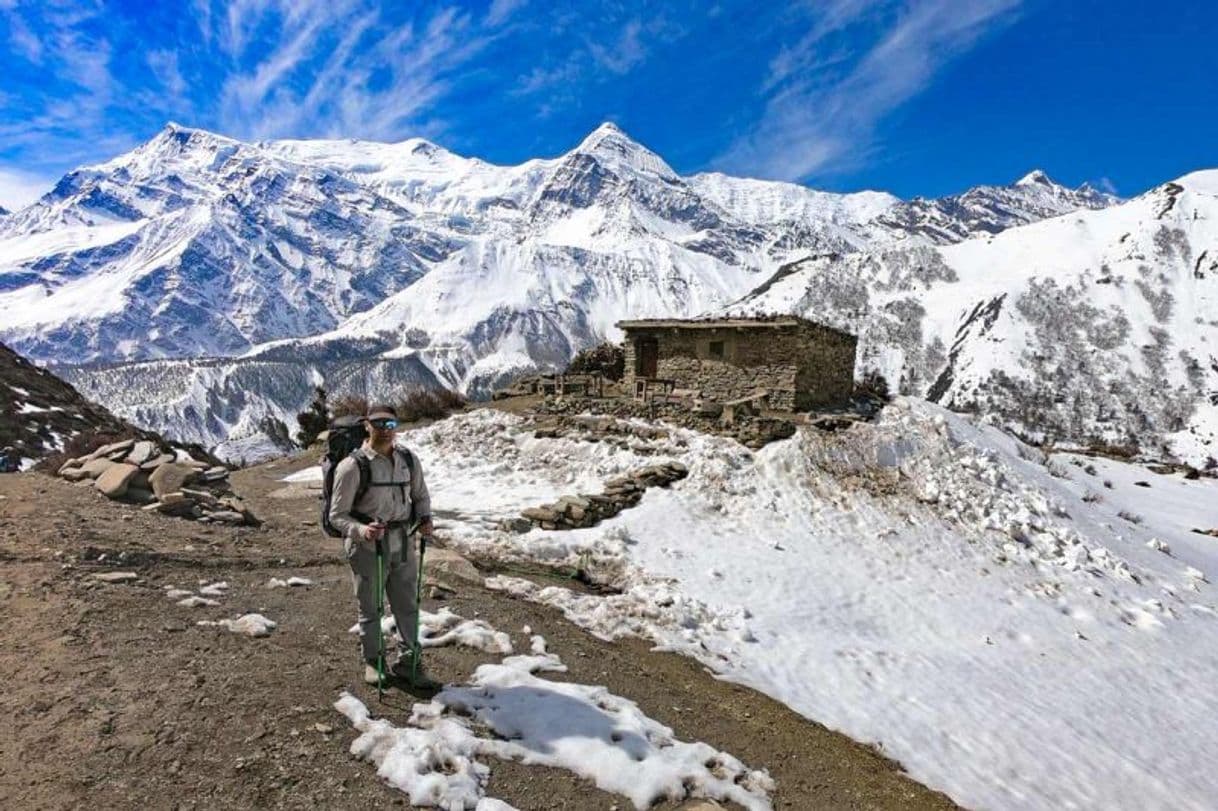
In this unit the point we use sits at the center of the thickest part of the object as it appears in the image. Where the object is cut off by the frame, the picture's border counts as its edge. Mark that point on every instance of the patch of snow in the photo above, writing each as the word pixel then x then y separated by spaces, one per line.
pixel 584 729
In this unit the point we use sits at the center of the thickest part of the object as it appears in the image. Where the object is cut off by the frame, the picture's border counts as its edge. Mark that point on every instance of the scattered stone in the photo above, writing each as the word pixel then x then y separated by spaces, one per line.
pixel 113 482
pixel 116 577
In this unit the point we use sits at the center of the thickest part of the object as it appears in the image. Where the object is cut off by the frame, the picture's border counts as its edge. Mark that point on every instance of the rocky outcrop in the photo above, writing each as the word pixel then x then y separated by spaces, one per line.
pixel 161 479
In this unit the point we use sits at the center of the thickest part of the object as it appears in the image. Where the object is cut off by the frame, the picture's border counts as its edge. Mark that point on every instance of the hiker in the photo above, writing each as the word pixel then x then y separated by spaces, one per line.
pixel 394 499
pixel 10 462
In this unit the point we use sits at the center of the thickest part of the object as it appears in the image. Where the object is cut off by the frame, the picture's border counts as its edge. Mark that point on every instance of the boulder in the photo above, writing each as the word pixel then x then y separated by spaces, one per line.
pixel 95 467
pixel 170 478
pixel 75 474
pixel 448 562
pixel 113 482
pixel 142 452
pixel 71 464
pixel 155 462
pixel 113 447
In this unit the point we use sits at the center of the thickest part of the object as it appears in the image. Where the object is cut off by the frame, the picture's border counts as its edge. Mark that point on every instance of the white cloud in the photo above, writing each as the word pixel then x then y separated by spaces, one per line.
pixel 817 119
pixel 164 66
pixel 19 188
pixel 623 54
pixel 501 10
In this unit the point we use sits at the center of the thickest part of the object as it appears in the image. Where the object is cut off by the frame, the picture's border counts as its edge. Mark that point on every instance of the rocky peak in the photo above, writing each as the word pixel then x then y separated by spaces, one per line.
pixel 1036 177
pixel 616 150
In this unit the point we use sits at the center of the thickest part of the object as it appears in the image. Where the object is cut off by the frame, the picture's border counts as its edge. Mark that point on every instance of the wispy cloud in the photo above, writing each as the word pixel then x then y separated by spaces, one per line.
pixel 501 10
pixel 823 104
pixel 18 189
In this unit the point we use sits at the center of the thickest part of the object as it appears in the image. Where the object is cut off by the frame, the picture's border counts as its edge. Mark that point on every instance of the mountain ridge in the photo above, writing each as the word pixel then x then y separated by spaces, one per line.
pixel 365 264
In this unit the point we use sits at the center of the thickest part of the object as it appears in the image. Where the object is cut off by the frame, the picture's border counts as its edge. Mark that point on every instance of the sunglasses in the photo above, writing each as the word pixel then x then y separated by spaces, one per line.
pixel 384 424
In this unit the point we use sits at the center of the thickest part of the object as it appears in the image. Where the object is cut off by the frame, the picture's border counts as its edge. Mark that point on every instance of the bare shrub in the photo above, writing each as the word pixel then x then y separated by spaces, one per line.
pixel 872 384
pixel 1130 517
pixel 349 405
pixel 1092 498
pixel 82 444
pixel 432 404
pixel 411 405
pixel 607 360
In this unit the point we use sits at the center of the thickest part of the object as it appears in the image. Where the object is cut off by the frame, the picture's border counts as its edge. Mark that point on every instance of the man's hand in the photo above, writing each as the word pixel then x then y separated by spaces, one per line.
pixel 374 531
pixel 426 529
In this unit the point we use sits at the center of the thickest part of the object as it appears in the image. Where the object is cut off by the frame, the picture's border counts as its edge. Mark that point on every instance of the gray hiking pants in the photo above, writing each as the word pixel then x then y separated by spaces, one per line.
pixel 401 569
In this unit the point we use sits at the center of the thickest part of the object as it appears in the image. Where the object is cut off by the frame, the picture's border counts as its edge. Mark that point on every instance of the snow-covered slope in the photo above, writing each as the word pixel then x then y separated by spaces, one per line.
pixel 1095 325
pixel 210 253
pixel 1018 631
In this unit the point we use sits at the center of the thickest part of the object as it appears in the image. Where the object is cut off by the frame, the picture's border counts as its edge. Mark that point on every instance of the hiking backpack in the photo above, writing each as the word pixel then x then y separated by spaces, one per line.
pixel 346 436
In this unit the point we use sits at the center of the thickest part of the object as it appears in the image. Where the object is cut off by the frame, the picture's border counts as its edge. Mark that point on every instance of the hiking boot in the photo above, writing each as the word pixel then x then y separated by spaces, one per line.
pixel 403 669
pixel 370 675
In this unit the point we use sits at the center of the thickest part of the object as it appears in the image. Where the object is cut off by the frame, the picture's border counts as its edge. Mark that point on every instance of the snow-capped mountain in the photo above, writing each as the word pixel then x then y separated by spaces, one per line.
pixel 359 263
pixel 1096 325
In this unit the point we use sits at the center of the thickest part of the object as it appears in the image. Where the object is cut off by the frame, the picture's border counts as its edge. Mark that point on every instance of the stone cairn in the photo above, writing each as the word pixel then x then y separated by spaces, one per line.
pixel 142 472
pixel 586 509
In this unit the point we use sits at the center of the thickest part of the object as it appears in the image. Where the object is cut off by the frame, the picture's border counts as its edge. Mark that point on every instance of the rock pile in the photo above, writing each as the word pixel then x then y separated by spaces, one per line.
pixel 586 510
pixel 141 471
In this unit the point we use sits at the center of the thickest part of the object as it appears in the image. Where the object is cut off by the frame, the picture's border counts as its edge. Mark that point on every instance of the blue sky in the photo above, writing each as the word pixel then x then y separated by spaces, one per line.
pixel 911 96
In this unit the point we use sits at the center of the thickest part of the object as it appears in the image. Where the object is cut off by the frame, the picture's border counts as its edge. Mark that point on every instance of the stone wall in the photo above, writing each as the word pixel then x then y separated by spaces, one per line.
pixel 825 366
pixel 800 366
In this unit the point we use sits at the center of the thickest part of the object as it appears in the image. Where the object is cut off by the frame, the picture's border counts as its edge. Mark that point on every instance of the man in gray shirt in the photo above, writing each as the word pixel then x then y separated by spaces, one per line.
pixel 395 499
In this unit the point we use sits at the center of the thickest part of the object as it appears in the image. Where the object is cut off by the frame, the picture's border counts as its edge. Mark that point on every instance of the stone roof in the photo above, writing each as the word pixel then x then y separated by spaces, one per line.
pixel 765 322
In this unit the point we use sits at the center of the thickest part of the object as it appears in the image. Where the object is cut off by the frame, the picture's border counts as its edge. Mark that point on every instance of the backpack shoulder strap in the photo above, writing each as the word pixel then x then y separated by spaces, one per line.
pixel 408 458
pixel 365 475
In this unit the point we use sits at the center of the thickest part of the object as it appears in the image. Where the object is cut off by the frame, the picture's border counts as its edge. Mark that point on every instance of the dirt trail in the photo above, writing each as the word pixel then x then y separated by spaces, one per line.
pixel 113 697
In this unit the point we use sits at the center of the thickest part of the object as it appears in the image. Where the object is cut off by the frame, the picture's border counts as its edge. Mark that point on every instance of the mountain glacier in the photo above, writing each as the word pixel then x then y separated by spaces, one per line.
pixel 203 286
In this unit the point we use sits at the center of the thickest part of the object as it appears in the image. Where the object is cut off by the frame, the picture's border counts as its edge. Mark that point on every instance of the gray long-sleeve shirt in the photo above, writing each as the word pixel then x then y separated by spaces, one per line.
pixel 395 495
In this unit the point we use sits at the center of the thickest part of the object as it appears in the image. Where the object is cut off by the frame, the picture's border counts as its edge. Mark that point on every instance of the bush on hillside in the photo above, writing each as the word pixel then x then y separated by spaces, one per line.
pixel 607 360
pixel 412 404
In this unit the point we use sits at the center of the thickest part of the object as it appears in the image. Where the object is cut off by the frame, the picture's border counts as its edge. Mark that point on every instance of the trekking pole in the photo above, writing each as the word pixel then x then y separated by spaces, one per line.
pixel 418 605
pixel 380 610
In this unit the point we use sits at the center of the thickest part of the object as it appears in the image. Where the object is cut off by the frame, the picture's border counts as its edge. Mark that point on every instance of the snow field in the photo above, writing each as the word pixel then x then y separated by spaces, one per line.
pixel 581 728
pixel 925 582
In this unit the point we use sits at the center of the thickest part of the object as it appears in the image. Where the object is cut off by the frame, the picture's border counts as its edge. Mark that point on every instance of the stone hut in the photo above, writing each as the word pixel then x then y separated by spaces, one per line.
pixel 800 365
